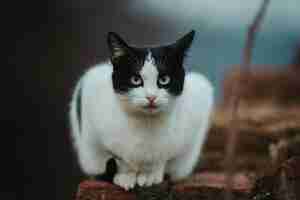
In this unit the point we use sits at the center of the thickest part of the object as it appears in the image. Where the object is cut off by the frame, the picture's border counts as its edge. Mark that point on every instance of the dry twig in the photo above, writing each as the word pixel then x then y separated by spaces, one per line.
pixel 235 98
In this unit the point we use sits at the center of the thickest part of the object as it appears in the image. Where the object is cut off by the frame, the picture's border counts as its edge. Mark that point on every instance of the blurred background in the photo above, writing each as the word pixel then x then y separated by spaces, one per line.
pixel 51 43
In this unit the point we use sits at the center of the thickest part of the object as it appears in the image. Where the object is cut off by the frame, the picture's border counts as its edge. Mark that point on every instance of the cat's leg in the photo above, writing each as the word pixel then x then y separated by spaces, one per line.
pixel 151 175
pixel 183 165
pixel 126 175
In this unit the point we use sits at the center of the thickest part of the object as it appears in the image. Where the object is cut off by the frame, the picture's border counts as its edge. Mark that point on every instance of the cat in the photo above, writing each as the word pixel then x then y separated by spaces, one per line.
pixel 143 109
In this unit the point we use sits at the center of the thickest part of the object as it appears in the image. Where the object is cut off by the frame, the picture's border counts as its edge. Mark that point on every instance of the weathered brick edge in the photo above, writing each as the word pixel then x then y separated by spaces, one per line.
pixel 95 190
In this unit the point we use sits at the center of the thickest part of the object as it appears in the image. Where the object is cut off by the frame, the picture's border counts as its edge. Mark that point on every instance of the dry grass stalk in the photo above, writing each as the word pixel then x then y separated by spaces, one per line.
pixel 235 99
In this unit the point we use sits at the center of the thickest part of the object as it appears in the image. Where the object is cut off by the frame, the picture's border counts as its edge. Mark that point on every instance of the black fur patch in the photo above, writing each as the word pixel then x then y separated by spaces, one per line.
pixel 128 61
pixel 110 171
pixel 78 108
pixel 125 67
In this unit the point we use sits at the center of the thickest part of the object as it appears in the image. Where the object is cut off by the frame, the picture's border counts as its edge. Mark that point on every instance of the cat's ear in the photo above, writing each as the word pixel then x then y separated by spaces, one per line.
pixel 184 43
pixel 117 46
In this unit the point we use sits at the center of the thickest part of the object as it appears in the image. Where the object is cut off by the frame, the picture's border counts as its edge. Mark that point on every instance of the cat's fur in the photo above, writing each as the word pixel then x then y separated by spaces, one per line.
pixel 112 118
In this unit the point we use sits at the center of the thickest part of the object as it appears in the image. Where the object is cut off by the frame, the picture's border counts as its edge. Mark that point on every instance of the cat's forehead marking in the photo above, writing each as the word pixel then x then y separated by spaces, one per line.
pixel 149 70
pixel 149 58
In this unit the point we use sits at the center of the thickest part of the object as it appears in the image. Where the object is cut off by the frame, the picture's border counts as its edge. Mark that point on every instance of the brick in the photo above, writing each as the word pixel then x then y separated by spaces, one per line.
pixel 202 185
pixel 96 190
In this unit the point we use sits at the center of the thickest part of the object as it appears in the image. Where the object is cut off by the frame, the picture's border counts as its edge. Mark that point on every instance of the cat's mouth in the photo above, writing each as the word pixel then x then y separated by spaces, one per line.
pixel 150 107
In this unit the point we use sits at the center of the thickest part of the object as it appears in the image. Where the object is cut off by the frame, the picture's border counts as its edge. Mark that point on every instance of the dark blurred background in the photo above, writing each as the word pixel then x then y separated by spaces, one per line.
pixel 50 43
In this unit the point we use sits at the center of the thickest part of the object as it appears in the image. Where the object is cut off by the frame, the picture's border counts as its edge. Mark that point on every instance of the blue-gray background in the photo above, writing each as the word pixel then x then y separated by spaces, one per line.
pixel 221 29
pixel 52 42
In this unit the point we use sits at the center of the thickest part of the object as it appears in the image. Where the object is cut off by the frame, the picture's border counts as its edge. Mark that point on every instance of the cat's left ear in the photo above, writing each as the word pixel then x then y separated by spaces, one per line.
pixel 184 43
pixel 117 46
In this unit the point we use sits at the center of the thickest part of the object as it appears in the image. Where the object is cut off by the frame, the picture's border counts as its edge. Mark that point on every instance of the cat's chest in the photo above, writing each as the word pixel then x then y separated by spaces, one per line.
pixel 146 151
pixel 146 146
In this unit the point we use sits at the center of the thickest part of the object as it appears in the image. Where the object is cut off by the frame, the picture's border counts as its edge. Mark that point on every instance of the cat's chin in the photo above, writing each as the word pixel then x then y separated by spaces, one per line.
pixel 150 111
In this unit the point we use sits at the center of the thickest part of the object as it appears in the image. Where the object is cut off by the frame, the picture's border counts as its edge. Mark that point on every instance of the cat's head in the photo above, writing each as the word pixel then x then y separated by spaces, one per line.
pixel 148 79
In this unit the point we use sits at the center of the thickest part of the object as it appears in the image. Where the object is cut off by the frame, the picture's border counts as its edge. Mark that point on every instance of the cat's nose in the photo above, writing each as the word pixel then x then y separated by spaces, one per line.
pixel 151 99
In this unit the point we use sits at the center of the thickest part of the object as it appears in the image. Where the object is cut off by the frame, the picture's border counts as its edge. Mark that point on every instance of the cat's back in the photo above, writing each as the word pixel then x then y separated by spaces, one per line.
pixel 96 82
pixel 98 74
pixel 97 90
pixel 197 98
pixel 198 89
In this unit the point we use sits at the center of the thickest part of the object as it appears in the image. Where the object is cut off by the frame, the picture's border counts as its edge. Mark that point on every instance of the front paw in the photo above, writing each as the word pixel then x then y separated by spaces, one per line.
pixel 125 180
pixel 145 179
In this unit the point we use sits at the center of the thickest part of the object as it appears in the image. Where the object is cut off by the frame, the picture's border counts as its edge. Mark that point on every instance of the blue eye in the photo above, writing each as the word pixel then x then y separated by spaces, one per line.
pixel 136 80
pixel 164 80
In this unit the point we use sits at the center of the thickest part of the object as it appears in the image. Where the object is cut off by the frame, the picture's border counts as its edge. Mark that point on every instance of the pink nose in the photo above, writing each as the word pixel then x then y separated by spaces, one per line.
pixel 151 99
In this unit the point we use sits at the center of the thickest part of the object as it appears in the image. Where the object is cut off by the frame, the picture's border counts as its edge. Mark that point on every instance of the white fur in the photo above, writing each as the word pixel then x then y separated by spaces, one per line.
pixel 147 144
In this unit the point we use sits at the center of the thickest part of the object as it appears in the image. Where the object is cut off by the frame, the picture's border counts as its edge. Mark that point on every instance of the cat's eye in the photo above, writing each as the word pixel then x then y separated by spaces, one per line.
pixel 136 80
pixel 164 80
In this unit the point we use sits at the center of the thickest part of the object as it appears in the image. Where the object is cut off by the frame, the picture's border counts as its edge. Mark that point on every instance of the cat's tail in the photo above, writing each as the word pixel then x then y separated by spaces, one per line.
pixel 75 113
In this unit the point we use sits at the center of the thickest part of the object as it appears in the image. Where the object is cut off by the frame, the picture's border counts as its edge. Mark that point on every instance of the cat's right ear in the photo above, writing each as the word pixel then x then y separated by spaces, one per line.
pixel 117 46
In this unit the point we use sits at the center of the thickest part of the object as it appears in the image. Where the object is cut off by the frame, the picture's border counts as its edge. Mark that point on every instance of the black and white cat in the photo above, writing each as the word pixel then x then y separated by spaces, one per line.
pixel 143 109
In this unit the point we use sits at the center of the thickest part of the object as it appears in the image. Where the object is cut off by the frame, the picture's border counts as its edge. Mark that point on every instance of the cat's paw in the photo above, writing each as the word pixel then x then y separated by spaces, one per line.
pixel 125 180
pixel 150 179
